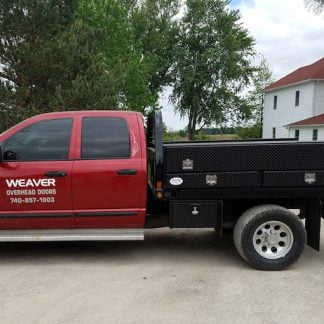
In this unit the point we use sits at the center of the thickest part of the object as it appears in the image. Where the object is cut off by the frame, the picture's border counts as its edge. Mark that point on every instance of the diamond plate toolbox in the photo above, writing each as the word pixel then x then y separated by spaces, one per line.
pixel 243 165
pixel 235 157
pixel 198 214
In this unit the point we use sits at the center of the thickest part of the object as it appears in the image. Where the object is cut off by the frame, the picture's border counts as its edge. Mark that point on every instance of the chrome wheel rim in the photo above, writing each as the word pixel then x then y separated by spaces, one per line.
pixel 273 240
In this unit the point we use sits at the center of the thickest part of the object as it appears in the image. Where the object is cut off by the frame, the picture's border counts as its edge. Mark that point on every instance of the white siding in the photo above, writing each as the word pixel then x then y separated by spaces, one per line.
pixel 286 111
pixel 306 132
pixel 319 98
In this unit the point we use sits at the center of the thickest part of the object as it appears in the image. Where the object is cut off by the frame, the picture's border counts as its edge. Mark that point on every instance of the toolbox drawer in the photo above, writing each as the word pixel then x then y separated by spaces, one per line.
pixel 199 214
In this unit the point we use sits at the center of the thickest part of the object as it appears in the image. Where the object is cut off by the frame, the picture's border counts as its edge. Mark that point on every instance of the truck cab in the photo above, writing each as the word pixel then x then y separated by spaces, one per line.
pixel 72 170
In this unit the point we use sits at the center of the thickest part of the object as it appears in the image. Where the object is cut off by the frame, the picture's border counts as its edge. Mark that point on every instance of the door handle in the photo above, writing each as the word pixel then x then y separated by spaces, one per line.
pixel 53 174
pixel 126 172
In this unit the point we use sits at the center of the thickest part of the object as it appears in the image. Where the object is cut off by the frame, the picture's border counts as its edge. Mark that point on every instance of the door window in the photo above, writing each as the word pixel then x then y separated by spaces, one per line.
pixel 105 138
pixel 42 141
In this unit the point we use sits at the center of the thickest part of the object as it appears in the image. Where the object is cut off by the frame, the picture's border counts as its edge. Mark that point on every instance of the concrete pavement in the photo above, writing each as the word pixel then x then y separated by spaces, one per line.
pixel 174 276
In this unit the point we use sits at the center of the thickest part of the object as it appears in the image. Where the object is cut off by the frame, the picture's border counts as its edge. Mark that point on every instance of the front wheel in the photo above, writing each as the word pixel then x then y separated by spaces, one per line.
pixel 269 237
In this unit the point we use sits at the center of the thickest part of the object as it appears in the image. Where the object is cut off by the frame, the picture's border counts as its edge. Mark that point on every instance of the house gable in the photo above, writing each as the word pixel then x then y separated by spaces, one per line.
pixel 297 96
pixel 306 73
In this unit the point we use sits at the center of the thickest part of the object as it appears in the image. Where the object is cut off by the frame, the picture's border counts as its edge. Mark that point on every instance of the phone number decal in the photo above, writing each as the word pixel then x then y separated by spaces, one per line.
pixel 32 200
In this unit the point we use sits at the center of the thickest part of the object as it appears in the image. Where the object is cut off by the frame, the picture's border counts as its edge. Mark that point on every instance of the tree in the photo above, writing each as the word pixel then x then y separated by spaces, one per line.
pixel 139 36
pixel 98 53
pixel 252 128
pixel 26 26
pixel 80 54
pixel 155 32
pixel 316 5
pixel 51 59
pixel 213 64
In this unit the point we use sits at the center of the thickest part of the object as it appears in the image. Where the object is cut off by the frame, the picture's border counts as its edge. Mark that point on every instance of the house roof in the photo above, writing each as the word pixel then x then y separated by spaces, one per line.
pixel 315 120
pixel 313 71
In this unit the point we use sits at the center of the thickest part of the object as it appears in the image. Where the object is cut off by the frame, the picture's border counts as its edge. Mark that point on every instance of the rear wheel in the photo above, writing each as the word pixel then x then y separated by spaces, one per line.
pixel 269 237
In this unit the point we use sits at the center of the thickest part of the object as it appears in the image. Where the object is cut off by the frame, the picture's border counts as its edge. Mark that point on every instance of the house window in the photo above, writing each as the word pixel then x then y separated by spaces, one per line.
pixel 275 99
pixel 274 132
pixel 297 134
pixel 297 99
pixel 315 133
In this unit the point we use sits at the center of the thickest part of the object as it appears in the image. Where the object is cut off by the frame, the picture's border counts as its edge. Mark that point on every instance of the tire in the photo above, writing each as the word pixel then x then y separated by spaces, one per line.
pixel 269 237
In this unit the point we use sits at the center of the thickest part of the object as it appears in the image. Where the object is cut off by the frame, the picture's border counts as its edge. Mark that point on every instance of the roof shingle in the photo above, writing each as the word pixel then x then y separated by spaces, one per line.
pixel 315 120
pixel 313 71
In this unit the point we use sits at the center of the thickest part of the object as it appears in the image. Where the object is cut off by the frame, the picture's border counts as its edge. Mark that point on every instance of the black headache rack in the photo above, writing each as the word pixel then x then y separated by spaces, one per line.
pixel 154 140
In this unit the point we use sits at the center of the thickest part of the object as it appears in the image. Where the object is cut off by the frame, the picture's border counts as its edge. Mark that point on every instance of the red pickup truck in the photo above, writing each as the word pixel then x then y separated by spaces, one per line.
pixel 99 175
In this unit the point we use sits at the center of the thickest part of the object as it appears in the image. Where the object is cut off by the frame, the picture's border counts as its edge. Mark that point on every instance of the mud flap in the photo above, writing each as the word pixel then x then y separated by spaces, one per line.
pixel 313 214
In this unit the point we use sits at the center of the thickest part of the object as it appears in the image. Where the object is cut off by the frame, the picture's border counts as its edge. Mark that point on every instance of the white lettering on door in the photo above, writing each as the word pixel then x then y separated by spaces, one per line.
pixel 14 183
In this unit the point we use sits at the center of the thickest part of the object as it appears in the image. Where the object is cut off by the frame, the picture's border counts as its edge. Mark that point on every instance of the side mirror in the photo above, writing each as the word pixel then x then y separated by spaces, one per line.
pixel 1 153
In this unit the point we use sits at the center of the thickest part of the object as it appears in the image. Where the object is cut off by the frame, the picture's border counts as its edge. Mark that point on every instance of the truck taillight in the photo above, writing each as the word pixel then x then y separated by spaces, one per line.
pixel 159 190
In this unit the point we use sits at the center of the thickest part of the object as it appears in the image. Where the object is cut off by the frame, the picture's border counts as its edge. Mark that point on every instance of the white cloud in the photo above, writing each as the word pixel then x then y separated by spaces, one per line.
pixel 171 119
pixel 286 33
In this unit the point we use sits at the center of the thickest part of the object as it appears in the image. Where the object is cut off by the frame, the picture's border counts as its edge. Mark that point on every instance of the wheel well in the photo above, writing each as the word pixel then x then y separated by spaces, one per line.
pixel 234 208
pixel 309 208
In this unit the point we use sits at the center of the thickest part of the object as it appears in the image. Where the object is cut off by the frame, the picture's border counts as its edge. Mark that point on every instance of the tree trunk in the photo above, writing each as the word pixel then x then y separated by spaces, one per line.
pixel 191 128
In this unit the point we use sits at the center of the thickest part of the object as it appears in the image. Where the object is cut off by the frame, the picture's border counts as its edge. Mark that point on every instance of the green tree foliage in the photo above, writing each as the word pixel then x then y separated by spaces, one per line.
pixel 316 6
pixel 124 50
pixel 252 128
pixel 249 132
pixel 27 62
pixel 81 54
pixel 155 33
pixel 213 64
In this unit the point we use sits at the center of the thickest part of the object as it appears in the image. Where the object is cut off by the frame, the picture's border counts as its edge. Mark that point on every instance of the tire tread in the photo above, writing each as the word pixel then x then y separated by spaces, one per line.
pixel 256 215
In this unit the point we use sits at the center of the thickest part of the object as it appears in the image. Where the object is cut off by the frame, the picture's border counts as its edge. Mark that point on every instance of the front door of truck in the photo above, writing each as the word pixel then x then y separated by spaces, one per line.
pixel 35 176
pixel 109 184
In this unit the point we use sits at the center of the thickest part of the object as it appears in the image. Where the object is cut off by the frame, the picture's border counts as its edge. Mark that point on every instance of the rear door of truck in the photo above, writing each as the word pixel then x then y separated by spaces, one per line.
pixel 36 174
pixel 109 175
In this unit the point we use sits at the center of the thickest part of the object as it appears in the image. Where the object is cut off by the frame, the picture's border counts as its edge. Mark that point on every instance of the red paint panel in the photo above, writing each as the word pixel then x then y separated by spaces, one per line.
pixel 34 197
pixel 26 190
pixel 57 222
pixel 113 221
pixel 90 186
pixel 97 186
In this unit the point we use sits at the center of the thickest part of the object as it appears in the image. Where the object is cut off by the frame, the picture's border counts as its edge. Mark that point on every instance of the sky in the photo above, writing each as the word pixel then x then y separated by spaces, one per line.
pixel 286 33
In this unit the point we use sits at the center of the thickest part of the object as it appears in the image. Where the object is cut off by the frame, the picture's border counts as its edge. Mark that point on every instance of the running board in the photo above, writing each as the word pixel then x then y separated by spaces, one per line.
pixel 130 234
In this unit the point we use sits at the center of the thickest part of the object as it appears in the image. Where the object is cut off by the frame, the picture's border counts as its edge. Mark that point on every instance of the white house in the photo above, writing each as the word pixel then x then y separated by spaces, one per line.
pixel 291 102
pixel 310 129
